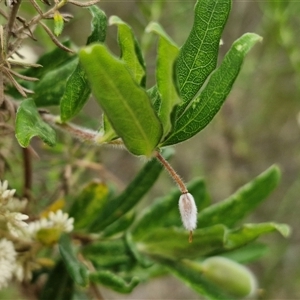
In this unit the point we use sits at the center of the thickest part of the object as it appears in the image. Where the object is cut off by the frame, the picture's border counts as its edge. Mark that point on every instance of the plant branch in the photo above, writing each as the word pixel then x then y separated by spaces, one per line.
pixel 27 167
pixel 83 4
pixel 54 39
pixel 75 131
pixel 11 21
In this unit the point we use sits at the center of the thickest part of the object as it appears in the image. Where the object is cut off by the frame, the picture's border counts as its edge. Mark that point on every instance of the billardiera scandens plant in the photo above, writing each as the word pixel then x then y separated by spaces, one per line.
pixel 189 91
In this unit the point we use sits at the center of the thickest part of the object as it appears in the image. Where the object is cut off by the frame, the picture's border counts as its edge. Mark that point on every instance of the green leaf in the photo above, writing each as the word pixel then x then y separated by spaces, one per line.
pixel 78 89
pixel 114 281
pixel 99 25
pixel 58 23
pixel 131 53
pixel 249 232
pixel 117 207
pixel 164 212
pixel 126 105
pixel 192 274
pixel 77 92
pixel 30 124
pixel 202 109
pixel 59 285
pixel 51 61
pixel 88 204
pixel 51 87
pixel 120 225
pixel 165 75
pixel 249 253
pixel 57 65
pixel 198 56
pixel 155 98
pixel 108 253
pixel 106 132
pixel 172 243
pixel 242 202
pixel 76 269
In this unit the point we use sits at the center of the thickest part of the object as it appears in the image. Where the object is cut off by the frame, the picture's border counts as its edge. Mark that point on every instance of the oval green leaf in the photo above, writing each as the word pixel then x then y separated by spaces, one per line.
pixel 126 104
pixel 30 124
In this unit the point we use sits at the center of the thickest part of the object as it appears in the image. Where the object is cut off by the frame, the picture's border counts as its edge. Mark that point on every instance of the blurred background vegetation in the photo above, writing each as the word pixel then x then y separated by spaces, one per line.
pixel 257 127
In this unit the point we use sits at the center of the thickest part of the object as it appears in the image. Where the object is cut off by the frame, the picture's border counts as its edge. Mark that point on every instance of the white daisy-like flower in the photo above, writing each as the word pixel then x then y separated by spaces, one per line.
pixel 58 220
pixel 5 193
pixel 34 227
pixel 7 262
pixel 16 205
pixel 61 220
pixel 15 223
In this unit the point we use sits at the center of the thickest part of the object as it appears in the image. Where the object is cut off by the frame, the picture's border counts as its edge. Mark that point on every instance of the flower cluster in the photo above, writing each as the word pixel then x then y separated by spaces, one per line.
pixel 7 262
pixel 10 211
pixel 18 239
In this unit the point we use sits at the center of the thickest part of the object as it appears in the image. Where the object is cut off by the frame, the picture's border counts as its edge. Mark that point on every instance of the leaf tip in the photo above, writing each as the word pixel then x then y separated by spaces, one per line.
pixel 284 230
pixel 114 20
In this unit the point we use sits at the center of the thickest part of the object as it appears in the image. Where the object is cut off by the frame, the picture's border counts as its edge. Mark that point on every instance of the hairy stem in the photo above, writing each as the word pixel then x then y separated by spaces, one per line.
pixel 172 173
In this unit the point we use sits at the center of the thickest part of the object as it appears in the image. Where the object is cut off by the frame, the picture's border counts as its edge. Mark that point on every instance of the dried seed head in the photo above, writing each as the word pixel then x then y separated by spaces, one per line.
pixel 188 211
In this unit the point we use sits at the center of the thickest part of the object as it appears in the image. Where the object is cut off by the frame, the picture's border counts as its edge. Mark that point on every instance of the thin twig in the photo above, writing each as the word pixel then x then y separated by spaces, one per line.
pixel 54 39
pixel 15 83
pixel 36 6
pixel 96 291
pixel 75 131
pixel 23 64
pixel 38 18
pixel 1 89
pixel 11 21
pixel 27 167
pixel 23 76
pixel 2 12
pixel 83 4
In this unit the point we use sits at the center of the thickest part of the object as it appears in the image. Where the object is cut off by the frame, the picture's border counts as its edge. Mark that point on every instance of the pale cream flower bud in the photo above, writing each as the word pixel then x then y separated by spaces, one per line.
pixel 188 212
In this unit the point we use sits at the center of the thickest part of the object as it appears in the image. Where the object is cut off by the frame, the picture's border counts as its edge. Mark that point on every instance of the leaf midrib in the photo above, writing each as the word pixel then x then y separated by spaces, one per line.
pixel 125 103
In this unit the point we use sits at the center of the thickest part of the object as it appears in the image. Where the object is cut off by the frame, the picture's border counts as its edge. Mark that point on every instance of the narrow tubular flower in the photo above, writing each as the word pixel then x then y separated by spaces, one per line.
pixel 188 212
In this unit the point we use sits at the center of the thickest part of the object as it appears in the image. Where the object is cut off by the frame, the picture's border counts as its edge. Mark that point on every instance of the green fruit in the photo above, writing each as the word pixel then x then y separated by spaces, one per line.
pixel 230 276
